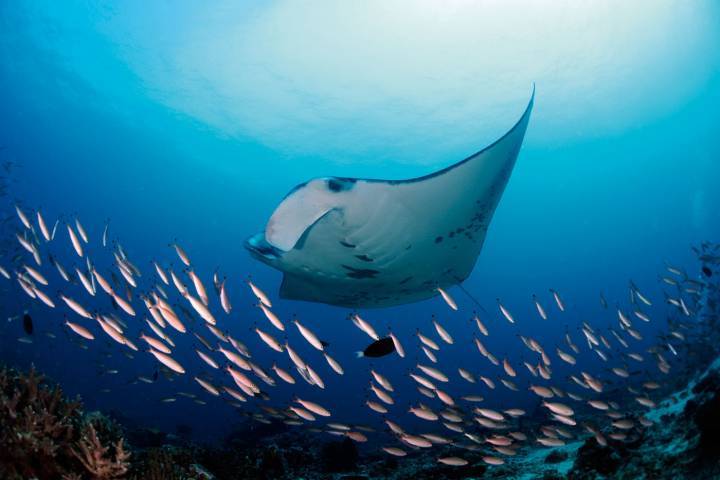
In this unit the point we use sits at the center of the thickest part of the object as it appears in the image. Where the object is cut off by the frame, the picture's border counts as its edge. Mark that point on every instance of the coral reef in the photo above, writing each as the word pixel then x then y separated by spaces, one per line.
pixel 683 443
pixel 168 463
pixel 97 459
pixel 45 435
pixel 38 427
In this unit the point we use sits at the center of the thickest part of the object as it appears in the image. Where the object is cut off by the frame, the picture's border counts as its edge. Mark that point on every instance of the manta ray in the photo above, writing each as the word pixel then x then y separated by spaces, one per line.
pixel 356 242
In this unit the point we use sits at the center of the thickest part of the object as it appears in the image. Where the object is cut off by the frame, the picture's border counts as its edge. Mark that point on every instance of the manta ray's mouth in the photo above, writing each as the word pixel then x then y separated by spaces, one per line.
pixel 261 249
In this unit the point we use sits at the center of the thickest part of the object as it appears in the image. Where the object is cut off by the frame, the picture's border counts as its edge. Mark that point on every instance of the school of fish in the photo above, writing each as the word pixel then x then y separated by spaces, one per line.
pixel 147 321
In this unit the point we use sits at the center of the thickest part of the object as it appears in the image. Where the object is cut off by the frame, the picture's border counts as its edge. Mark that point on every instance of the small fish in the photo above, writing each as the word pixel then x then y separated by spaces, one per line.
pixel 453 461
pixel 260 294
pixel 394 451
pixel 379 348
pixel 382 380
pixel 364 326
pixel 598 404
pixel 505 312
pixel 481 326
pixel 337 368
pixel 415 441
pixel 200 307
pixel 558 300
pixel 294 357
pixel 422 381
pixel 181 253
pixel 311 338
pixel 28 324
pixel 447 298
pixel 155 343
pixel 398 346
pixel 125 305
pixel 445 398
pixel 206 358
pixel 235 394
pixel 559 408
pixel 76 307
pixel 161 273
pixel 541 391
pixel 43 227
pixel 46 299
pixel 224 299
pixel 488 382
pixel 424 413
pixel 54 229
pixel 490 460
pixel 540 309
pixel 490 414
pixel 209 387
pixel 271 317
pixel 356 436
pixel 234 358
pixel 105 234
pixel 433 372
pixel 566 357
pixel 168 361
pixel 81 231
pixel 645 402
pixel 85 281
pixel 427 341
pixel 25 244
pixel 269 340
pixel 75 241
pixel 283 375
pixel 376 407
pixel 313 407
pixel 447 338
pixel 381 394
pixel 508 368
pixel 466 375
pixel 315 377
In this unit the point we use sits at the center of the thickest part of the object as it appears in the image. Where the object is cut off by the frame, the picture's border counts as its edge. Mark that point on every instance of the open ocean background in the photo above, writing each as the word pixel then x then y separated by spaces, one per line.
pixel 189 122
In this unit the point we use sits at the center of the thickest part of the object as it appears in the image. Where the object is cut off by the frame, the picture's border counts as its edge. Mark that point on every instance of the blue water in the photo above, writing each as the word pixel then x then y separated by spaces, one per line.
pixel 181 122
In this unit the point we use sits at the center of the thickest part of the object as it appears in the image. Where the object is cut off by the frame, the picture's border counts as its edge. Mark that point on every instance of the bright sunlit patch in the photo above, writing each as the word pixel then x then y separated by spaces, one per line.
pixel 344 80
pixel 377 81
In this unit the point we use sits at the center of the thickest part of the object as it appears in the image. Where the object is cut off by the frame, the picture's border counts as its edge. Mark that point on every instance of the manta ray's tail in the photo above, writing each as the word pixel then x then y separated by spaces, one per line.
pixel 470 296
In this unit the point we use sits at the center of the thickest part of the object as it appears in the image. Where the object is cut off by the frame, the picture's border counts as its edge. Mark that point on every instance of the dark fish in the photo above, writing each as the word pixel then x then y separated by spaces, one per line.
pixel 707 271
pixel 379 348
pixel 27 324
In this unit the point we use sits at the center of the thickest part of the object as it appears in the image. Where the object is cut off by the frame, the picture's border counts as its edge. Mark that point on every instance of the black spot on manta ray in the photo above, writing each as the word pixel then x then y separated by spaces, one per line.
pixel 364 258
pixel 346 244
pixel 359 273
pixel 340 184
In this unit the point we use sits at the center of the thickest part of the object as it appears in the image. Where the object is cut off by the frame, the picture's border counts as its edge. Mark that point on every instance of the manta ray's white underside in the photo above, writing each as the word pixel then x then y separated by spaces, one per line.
pixel 375 243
